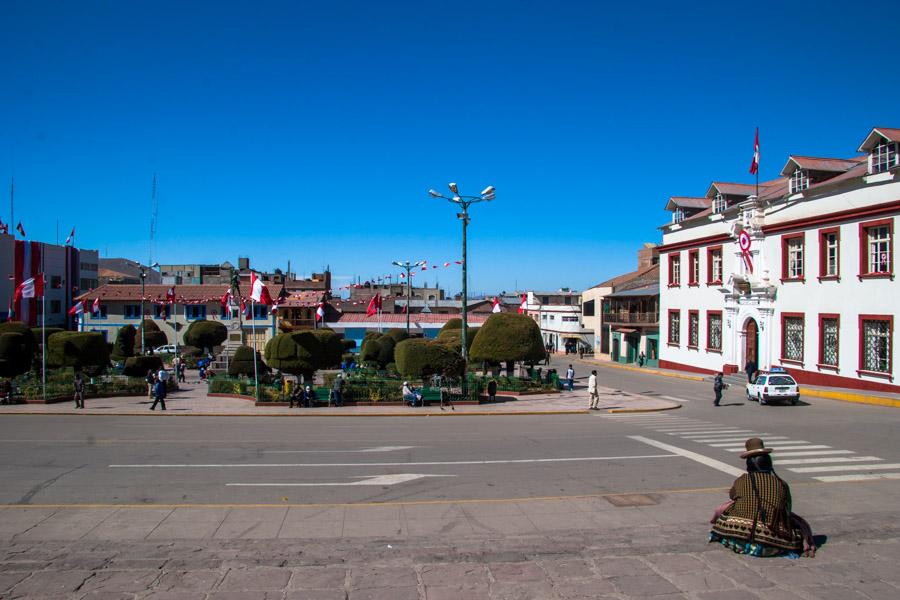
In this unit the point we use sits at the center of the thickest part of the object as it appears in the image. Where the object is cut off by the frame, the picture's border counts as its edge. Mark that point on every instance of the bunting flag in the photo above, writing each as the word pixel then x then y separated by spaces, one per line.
pixel 70 238
pixel 523 305
pixel 77 309
pixel 495 305
pixel 754 165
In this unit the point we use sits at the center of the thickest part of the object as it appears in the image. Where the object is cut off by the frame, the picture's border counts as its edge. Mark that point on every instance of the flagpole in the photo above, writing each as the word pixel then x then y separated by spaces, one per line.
pixel 253 326
pixel 43 331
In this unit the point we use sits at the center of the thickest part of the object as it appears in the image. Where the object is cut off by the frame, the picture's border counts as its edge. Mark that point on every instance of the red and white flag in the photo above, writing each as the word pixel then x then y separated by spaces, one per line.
pixel 754 166
pixel 170 295
pixel 523 305
pixel 71 237
pixel 4 228
pixel 20 229
pixel 496 305
pixel 403 312
pixel 320 312
pixel 95 308
pixel 77 309
pixel 258 290
pixel 226 298
pixel 374 305
pixel 30 288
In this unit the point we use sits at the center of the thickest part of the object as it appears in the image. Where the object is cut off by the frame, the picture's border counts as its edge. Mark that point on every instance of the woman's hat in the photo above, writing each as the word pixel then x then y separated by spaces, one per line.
pixel 755 447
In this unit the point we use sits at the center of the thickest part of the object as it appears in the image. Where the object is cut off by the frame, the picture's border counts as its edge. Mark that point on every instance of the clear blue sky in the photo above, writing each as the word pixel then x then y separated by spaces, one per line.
pixel 311 131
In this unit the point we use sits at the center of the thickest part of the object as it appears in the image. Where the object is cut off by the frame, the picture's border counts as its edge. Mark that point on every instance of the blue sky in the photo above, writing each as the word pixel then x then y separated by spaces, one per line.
pixel 311 131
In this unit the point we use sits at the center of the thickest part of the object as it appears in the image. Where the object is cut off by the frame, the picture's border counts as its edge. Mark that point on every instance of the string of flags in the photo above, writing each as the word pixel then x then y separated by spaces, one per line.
pixel 402 276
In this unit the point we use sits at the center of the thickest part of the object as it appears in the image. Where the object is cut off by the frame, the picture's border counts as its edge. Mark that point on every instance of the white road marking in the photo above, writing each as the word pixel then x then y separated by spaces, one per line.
pixel 859 477
pixel 731 431
pixel 676 399
pixel 833 459
pixel 393 479
pixel 363 451
pixel 742 446
pixel 812 447
pixel 845 468
pixel 704 460
pixel 816 453
pixel 731 439
pixel 387 464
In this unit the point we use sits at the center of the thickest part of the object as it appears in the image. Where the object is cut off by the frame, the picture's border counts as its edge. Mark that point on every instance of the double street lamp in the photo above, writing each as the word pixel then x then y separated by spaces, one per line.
pixel 143 277
pixel 408 266
pixel 487 194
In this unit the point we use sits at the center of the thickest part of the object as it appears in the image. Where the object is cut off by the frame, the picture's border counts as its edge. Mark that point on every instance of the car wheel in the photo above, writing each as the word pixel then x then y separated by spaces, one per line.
pixel 795 401
pixel 762 402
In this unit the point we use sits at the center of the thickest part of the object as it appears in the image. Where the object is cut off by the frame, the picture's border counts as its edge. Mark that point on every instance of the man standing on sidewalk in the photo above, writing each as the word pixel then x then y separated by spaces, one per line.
pixel 592 391
pixel 570 377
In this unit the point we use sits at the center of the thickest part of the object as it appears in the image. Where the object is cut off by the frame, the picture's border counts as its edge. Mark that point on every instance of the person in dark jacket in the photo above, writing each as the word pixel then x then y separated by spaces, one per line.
pixel 79 390
pixel 337 390
pixel 751 369
pixel 159 391
pixel 718 386
pixel 492 390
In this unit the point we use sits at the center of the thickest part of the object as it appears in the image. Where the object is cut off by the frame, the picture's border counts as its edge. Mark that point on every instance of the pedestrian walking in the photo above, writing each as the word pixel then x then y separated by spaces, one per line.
pixel 151 381
pixel 592 391
pixel 79 390
pixel 570 378
pixel 718 386
pixel 492 390
pixel 160 395
pixel 337 390
pixel 181 370
pixel 641 358
pixel 750 368
pixel 163 375
pixel 581 352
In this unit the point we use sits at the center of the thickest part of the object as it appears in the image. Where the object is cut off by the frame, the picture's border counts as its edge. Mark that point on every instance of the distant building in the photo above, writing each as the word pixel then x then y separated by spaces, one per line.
pixel 558 314
pixel 220 274
pixel 123 270
pixel 68 271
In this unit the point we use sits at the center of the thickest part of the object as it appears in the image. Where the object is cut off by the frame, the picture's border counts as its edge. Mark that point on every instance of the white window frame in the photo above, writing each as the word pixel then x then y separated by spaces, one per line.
pixel 883 157
pixel 716 269
pixel 676 270
pixel 799 180
pixel 678 215
pixel 831 254
pixel 878 245
pixel 795 258
pixel 719 203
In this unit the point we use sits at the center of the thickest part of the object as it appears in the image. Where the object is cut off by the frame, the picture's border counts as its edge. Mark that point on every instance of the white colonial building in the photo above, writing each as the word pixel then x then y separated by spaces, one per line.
pixel 558 314
pixel 800 276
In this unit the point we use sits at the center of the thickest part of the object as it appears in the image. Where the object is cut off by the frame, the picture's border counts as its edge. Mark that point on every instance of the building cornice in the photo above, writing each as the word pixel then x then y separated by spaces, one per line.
pixel 835 217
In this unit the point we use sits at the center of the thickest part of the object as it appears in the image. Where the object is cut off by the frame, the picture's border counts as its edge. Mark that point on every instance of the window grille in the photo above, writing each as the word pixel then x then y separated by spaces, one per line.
pixel 830 342
pixel 793 338
pixel 715 332
pixel 876 346
pixel 674 328
pixel 694 330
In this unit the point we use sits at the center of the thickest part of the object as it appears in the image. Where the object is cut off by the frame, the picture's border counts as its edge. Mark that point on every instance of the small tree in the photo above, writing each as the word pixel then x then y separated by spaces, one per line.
pixel 137 366
pixel 205 334
pixel 508 337
pixel 371 348
pixel 14 357
pixel 420 358
pixel 453 337
pixel 242 363
pixel 348 344
pixel 396 334
pixel 451 324
pixel 124 346
pixel 294 353
pixel 82 350
pixel 153 337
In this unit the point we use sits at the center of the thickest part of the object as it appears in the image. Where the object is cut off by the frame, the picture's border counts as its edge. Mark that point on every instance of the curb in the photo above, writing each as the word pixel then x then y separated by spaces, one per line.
pixel 851 397
pixel 674 406
pixel 319 415
pixel 649 371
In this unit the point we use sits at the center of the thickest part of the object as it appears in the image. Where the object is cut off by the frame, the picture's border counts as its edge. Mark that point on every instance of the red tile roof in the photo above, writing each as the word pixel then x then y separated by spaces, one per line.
pixel 620 279
pixel 735 189
pixel 890 134
pixel 190 294
pixel 831 165
pixel 477 318
pixel 687 202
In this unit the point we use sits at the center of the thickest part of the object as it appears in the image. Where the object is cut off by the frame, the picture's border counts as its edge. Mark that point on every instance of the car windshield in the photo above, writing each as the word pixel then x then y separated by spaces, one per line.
pixel 781 380
pixel 761 380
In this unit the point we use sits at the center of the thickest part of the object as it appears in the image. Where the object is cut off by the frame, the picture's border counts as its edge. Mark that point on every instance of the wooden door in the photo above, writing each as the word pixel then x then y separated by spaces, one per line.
pixel 751 335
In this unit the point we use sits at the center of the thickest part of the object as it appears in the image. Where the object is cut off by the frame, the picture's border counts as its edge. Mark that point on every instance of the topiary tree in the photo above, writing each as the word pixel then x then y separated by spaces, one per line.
pixel 396 334
pixel 453 337
pixel 14 356
pixel 44 333
pixel 509 338
pixel 82 350
pixel 332 348
pixel 294 353
pixel 137 366
pixel 242 363
pixel 348 344
pixel 371 348
pixel 189 351
pixel 123 348
pixel 386 345
pixel 420 358
pixel 19 327
pixel 454 323
pixel 153 337
pixel 205 334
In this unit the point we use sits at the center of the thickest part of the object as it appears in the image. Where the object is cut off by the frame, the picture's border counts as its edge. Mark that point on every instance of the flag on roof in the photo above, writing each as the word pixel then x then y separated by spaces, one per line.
pixel 258 290
pixel 374 305
pixel 71 237
pixel 170 294
pixel 320 312
pixel 77 309
pixel 20 229
pixel 523 305
pixel 30 288
pixel 95 308
pixel 495 308
pixel 754 165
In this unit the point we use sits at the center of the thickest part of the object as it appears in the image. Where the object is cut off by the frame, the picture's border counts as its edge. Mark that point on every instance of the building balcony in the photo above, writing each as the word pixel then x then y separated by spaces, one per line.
pixel 631 318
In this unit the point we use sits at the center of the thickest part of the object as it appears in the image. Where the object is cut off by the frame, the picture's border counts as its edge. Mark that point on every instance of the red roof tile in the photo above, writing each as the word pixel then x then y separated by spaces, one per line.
pixel 413 318
pixel 831 165
pixel 687 202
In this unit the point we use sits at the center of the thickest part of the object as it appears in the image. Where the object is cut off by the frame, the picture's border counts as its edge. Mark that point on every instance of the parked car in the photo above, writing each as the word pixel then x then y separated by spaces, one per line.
pixel 169 349
pixel 773 386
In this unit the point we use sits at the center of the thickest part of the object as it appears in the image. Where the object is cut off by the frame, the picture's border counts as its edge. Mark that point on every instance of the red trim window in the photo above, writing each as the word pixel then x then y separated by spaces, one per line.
pixel 792 257
pixel 714 331
pixel 714 265
pixel 876 335
pixel 693 329
pixel 830 253
pixel 792 336
pixel 694 266
pixel 674 327
pixel 876 249
pixel 829 340
pixel 675 269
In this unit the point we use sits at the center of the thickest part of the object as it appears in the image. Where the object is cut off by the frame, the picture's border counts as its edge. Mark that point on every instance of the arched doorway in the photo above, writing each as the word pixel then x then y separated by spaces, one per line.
pixel 751 342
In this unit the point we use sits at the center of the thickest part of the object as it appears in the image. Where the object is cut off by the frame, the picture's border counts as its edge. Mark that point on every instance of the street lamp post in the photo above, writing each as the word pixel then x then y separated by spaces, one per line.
pixel 143 277
pixel 487 194
pixel 408 266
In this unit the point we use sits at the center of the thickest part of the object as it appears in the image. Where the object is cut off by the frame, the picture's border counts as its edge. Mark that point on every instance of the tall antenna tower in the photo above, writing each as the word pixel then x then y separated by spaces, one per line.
pixel 154 213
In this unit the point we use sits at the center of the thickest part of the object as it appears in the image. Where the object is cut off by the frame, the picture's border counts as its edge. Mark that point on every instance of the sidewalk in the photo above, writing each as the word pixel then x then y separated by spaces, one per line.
pixel 191 400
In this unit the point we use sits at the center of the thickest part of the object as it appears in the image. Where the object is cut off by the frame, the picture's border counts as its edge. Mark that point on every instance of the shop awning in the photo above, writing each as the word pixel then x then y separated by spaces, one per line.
pixel 626 330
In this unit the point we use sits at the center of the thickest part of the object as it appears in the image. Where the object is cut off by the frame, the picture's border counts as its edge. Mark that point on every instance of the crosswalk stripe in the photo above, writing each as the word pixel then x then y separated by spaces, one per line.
pixel 845 468
pixel 857 477
pixel 732 439
pixel 815 453
pixel 714 434
pixel 706 432
pixel 734 445
pixel 833 459
pixel 812 447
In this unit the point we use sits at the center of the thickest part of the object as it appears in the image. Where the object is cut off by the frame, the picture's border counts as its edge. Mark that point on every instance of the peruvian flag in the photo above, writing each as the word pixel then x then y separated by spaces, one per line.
pixel 170 295
pixel 403 312
pixel 30 288
pixel 20 229
pixel 71 236
pixel 11 314
pixel 77 309
pixel 754 166
pixel 226 298
pixel 374 305
pixel 320 312
pixel 95 308
pixel 258 290
pixel 495 305
pixel 523 305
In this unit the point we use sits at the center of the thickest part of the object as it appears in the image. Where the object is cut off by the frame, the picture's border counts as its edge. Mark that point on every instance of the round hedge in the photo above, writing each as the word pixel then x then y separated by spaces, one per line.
pixel 371 348
pixel 153 337
pixel 19 327
pixel 332 348
pixel 123 347
pixel 46 332
pixel 452 338
pixel 14 358
pixel 508 337
pixel 205 334
pixel 348 344
pixel 454 323
pixel 137 366
pixel 78 349
pixel 419 358
pixel 242 363
pixel 294 353
pixel 396 334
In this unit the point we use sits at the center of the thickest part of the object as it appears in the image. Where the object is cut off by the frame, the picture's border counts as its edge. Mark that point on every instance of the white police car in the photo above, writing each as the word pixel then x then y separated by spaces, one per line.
pixel 774 385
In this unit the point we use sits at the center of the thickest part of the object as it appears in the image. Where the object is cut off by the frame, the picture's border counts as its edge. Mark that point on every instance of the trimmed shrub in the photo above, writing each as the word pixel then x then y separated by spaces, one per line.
pixel 396 334
pixel 14 357
pixel 348 344
pixel 205 334
pixel 452 338
pixel 294 353
pixel 19 327
pixel 420 358
pixel 46 331
pixel 82 350
pixel 124 345
pixel 386 345
pixel 242 363
pixel 332 348
pixel 508 337
pixel 153 337
pixel 454 323
pixel 371 348
pixel 189 351
pixel 137 366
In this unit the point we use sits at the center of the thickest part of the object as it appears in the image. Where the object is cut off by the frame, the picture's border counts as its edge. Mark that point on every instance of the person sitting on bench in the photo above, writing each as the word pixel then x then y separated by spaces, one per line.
pixel 411 396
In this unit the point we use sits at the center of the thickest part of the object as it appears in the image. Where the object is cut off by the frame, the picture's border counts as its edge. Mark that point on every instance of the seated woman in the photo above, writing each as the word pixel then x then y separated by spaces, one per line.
pixel 410 396
pixel 758 520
